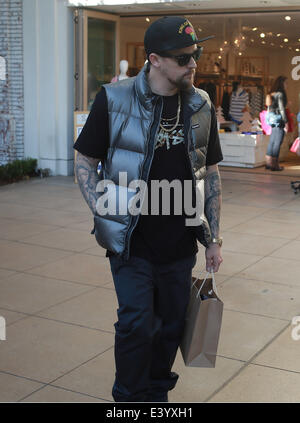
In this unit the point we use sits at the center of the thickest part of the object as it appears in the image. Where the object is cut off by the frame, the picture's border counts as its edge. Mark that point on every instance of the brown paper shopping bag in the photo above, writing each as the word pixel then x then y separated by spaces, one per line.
pixel 203 324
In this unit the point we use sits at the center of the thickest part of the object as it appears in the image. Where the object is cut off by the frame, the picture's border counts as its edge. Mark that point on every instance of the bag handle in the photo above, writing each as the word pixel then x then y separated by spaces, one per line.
pixel 204 280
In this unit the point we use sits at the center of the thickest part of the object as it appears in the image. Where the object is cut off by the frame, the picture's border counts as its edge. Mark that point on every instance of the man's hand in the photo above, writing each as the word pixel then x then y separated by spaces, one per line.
pixel 213 257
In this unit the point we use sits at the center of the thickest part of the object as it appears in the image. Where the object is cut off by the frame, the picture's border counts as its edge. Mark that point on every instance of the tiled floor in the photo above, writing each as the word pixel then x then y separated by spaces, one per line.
pixel 59 304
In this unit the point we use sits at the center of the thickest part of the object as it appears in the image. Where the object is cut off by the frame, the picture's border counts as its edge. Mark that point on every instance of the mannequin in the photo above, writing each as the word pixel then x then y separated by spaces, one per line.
pixel 123 71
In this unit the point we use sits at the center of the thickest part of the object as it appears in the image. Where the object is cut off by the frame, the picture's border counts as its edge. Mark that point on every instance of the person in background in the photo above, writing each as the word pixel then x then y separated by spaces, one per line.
pixel 276 101
pixel 239 101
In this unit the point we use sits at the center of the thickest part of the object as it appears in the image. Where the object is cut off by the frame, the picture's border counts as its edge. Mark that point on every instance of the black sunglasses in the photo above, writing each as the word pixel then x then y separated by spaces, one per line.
pixel 184 59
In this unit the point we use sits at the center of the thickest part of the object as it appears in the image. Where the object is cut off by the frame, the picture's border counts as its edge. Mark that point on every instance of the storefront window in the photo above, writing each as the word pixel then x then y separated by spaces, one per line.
pixel 101 55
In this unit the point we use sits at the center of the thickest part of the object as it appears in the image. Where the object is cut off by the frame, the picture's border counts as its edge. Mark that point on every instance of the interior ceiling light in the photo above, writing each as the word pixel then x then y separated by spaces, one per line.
pixel 254 29
pixel 287 18
pixel 278 35
pixel 147 20
pixel 297 49
pixel 286 40
pixel 262 35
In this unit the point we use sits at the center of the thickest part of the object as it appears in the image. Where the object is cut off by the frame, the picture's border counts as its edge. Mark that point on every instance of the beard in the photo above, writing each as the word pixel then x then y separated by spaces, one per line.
pixel 182 82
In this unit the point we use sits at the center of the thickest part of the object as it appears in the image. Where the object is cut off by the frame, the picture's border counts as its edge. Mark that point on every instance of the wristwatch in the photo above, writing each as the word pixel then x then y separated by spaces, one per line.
pixel 218 241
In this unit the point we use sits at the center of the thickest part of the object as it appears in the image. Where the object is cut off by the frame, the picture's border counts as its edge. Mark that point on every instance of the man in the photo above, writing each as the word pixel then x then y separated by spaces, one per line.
pixel 153 127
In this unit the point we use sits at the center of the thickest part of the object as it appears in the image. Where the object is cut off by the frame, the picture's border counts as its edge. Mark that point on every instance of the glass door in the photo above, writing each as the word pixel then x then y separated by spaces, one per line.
pixel 96 54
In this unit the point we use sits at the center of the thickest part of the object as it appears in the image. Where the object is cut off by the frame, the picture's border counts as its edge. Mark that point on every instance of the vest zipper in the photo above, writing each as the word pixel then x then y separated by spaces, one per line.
pixel 148 158
pixel 188 143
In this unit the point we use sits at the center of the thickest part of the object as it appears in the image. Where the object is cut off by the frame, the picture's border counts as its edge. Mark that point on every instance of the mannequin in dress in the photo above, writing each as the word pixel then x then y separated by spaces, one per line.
pixel 123 71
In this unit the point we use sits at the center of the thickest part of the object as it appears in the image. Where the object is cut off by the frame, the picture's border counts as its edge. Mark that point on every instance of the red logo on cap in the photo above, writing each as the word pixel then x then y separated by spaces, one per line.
pixel 189 30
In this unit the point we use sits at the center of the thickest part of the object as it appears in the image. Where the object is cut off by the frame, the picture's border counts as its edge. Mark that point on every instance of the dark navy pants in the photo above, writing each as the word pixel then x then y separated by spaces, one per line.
pixel 152 304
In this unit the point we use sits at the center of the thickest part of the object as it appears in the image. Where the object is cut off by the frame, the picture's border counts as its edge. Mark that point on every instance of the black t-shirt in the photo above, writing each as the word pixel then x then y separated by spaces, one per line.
pixel 158 238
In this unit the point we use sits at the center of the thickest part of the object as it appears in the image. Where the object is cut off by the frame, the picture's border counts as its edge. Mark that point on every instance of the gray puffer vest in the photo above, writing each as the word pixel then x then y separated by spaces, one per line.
pixel 134 116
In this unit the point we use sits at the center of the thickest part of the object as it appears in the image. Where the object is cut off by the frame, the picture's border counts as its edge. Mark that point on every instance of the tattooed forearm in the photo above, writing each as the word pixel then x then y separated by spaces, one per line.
pixel 213 199
pixel 87 177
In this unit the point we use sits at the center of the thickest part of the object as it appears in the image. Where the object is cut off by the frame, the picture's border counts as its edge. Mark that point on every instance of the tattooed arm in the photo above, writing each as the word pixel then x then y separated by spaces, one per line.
pixel 87 177
pixel 213 198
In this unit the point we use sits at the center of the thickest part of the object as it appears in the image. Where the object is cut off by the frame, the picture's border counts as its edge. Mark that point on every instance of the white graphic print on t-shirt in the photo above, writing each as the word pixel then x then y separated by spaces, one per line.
pixel 169 138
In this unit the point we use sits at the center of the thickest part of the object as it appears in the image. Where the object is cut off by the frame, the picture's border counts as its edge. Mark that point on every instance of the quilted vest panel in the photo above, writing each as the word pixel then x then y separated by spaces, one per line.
pixel 132 127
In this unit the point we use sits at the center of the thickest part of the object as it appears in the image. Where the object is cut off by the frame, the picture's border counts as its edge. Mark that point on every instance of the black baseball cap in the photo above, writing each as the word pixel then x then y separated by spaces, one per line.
pixel 170 33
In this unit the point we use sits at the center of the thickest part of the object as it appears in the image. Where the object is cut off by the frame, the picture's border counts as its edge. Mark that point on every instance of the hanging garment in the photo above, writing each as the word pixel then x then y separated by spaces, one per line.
pixel 256 103
pixel 226 105
pixel 290 120
pixel 211 91
pixel 238 102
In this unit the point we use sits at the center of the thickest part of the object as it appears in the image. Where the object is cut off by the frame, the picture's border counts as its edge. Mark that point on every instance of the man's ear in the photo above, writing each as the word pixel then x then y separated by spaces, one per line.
pixel 154 59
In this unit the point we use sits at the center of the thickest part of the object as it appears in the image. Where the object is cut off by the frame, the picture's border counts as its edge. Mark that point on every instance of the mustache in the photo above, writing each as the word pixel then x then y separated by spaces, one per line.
pixel 191 72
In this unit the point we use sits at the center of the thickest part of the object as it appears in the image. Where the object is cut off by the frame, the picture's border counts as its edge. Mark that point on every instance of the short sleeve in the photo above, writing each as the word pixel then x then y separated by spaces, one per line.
pixel 214 153
pixel 93 140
